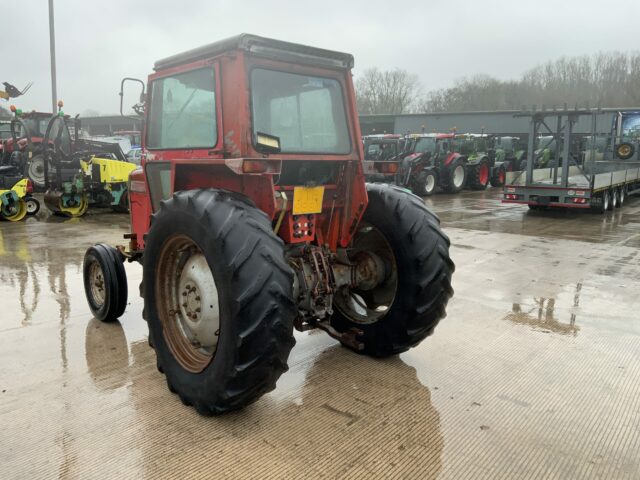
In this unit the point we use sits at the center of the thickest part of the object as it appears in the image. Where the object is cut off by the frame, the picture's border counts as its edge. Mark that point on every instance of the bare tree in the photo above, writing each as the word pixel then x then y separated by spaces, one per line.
pixel 387 92
pixel 606 79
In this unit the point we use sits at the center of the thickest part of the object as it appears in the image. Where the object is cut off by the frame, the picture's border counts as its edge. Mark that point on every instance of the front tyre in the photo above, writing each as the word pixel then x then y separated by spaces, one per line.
pixel 455 176
pixel 218 299
pixel 105 282
pixel 404 309
pixel 425 184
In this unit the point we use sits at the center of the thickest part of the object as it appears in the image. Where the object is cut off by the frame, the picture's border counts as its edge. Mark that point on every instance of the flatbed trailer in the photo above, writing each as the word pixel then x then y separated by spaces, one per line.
pixel 592 177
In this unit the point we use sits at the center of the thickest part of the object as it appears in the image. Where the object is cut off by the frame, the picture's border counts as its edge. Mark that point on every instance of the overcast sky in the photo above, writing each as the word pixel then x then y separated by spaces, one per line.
pixel 99 42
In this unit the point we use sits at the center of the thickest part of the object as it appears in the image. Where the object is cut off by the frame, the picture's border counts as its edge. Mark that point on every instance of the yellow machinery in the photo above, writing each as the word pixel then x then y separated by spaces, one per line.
pixel 101 181
pixel 17 202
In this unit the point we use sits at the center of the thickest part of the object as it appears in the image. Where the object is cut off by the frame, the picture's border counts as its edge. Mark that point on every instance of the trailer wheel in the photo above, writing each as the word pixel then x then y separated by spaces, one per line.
pixel 613 204
pixel 499 176
pixel 622 196
pixel 218 299
pixel 105 282
pixel 480 175
pixel 425 184
pixel 405 308
pixel 602 203
pixel 455 176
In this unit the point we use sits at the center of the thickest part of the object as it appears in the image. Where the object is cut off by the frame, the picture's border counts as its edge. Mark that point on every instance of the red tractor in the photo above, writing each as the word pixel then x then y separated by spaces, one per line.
pixel 430 160
pixel 24 146
pixel 251 217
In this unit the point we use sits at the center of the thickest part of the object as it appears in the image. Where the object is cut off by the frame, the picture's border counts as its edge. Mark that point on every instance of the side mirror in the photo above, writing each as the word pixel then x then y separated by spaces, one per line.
pixel 138 108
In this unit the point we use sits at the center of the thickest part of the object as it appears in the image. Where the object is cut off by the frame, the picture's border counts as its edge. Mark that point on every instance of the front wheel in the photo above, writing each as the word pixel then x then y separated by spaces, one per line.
pixel 218 298
pixel 425 184
pixel 405 307
pixel 105 282
pixel 455 176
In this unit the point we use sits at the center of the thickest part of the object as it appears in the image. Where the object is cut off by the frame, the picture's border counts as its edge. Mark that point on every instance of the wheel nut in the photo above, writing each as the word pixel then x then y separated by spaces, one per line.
pixel 197 298
pixel 184 294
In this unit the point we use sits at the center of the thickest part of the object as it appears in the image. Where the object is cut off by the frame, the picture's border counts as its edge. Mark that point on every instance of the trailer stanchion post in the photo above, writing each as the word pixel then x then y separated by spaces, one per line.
pixel 531 154
pixel 566 149
pixel 556 154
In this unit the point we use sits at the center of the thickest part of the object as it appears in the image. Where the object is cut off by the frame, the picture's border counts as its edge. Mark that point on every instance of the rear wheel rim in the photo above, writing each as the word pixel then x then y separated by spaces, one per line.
pixel 483 174
pixel 367 307
pixel 187 303
pixel 35 171
pixel 458 176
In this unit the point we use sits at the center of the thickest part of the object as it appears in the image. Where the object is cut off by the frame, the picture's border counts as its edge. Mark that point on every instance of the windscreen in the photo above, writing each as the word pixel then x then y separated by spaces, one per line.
pixel 307 113
pixel 425 144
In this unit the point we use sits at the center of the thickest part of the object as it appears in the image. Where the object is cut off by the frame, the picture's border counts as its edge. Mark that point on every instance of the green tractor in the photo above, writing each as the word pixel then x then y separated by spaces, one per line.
pixel 511 152
pixel 482 165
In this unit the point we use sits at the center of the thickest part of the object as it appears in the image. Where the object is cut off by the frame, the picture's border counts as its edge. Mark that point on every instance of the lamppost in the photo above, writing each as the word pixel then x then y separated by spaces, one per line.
pixel 52 48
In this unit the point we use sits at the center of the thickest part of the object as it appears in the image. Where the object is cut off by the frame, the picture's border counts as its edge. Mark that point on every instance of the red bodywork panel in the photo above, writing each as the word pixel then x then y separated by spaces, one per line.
pixel 345 199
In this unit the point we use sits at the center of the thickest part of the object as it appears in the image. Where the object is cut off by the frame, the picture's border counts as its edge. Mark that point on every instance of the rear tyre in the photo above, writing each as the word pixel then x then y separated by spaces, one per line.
pixel 425 184
pixel 105 282
pixel 499 176
pixel 455 176
pixel 405 308
pixel 622 196
pixel 479 175
pixel 218 299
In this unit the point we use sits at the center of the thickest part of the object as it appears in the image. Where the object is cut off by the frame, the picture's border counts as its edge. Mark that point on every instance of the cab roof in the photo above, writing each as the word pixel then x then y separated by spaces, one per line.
pixel 264 47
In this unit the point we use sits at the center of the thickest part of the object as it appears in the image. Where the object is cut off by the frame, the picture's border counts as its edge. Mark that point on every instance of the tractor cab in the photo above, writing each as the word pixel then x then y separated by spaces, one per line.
pixel 381 156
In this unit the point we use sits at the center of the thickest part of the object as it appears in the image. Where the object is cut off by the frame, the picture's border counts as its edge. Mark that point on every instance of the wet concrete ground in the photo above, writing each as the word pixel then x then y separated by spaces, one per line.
pixel 535 373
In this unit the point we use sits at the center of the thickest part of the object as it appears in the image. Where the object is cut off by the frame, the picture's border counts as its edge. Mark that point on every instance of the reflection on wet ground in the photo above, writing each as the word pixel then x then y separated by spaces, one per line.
pixel 533 374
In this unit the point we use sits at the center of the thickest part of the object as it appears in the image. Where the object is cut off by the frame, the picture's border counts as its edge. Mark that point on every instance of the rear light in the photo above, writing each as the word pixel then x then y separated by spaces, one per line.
pixel 388 167
pixel 511 196
pixel 580 200
pixel 29 186
pixel 255 166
